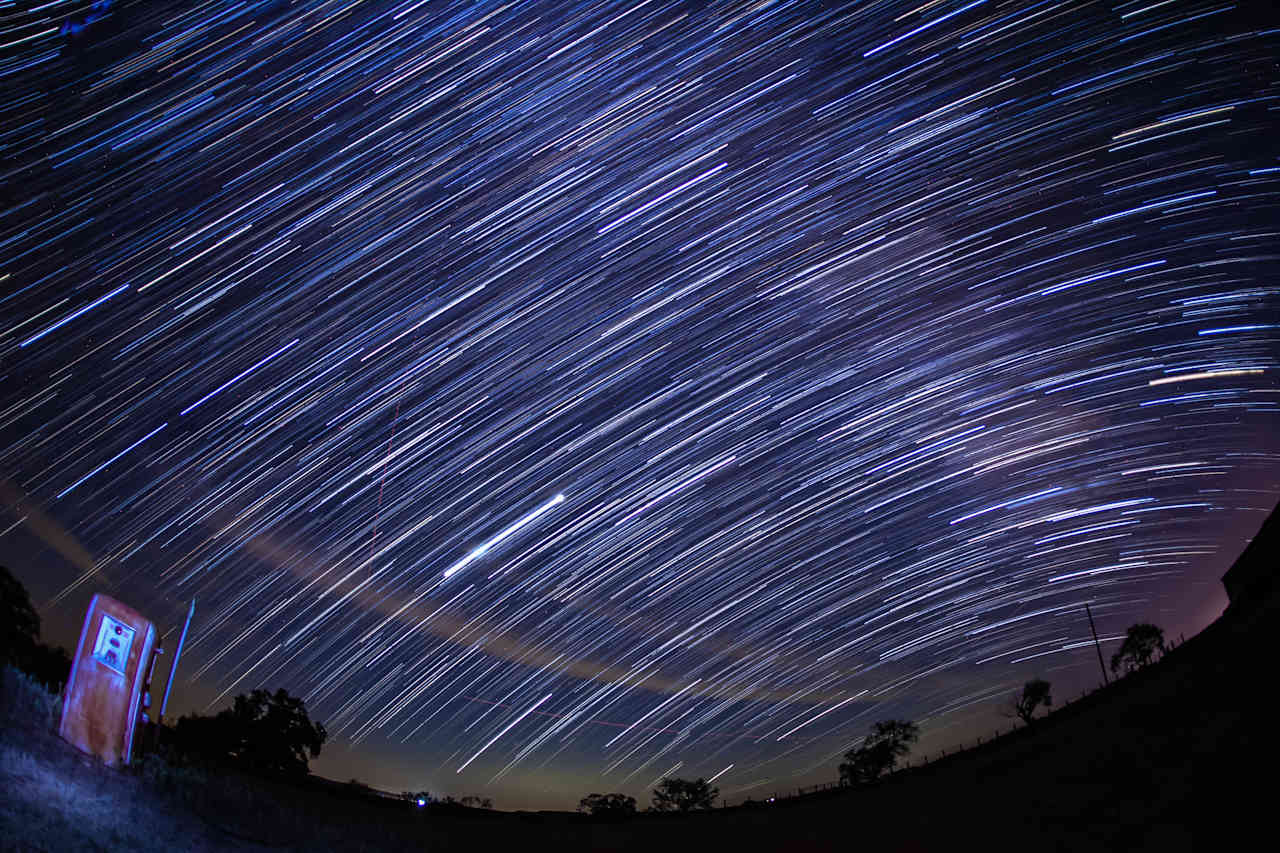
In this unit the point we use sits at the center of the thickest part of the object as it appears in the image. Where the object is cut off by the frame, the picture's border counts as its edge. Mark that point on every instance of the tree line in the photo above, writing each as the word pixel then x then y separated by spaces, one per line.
pixel 671 795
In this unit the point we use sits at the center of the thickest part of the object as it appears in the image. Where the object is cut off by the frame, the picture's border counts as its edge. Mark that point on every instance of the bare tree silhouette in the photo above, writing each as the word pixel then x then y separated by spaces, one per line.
pixel 1035 693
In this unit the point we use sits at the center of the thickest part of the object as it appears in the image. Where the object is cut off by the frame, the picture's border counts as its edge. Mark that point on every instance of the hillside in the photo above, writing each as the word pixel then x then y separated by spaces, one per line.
pixel 1155 761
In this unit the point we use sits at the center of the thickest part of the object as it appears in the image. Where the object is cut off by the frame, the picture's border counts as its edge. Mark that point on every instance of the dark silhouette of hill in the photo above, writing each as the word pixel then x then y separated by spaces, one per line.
pixel 1175 757
pixel 1251 581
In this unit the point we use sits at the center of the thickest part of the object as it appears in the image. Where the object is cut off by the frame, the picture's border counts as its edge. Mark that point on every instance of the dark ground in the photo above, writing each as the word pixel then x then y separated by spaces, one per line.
pixel 1175 757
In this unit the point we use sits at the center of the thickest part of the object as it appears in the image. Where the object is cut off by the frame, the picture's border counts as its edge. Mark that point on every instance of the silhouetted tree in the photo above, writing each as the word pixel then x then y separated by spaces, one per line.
pixel 49 665
pixel 417 798
pixel 197 739
pixel 888 741
pixel 477 802
pixel 1034 694
pixel 684 795
pixel 608 805
pixel 19 636
pixel 261 732
pixel 1143 643
pixel 19 622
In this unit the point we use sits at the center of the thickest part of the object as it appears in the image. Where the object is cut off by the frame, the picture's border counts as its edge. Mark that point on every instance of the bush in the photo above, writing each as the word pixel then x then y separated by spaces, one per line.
pixel 28 703
pixel 182 782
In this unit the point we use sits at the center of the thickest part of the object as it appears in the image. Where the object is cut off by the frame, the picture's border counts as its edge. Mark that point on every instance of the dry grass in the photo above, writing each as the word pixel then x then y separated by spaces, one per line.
pixel 59 800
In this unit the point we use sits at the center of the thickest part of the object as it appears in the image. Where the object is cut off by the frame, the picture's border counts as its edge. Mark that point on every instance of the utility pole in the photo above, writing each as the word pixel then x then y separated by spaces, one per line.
pixel 1096 644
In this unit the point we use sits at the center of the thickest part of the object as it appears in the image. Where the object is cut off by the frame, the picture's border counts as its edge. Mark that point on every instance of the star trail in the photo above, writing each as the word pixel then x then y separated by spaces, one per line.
pixel 558 395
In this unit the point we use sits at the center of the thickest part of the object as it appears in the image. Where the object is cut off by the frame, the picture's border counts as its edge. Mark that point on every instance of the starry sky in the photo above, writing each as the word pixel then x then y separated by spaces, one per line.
pixel 559 396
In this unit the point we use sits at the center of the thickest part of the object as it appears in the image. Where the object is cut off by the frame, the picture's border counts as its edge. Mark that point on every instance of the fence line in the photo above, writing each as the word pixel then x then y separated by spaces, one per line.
pixel 924 761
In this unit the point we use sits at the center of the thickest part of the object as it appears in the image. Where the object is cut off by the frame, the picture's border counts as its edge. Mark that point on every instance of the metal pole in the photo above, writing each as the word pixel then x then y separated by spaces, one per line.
pixel 1096 644
pixel 173 670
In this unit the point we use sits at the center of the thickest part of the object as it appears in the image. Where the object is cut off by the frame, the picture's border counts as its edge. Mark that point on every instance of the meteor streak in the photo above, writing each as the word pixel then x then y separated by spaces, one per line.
pixel 484 547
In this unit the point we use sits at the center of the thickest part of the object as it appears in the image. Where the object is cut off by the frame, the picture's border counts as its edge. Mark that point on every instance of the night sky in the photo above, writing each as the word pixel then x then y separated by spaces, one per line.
pixel 560 396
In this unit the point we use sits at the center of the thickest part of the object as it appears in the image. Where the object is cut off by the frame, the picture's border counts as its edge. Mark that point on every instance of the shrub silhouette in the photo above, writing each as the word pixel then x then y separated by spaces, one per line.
pixel 262 732
pixel 607 805
pixel 684 795
pixel 1034 694
pixel 1143 644
pixel 888 741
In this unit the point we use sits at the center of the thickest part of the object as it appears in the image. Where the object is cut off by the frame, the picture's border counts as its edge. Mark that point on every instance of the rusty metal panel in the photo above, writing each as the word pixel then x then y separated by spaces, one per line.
pixel 104 692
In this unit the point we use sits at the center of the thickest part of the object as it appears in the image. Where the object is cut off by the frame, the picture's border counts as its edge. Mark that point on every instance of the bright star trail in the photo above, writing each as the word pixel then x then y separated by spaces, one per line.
pixel 555 395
